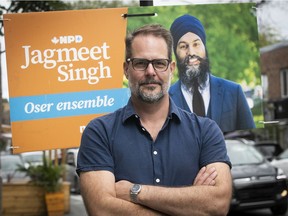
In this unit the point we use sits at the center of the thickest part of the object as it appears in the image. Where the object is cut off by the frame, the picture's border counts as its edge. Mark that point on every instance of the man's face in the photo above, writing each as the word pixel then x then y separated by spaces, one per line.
pixel 191 59
pixel 149 85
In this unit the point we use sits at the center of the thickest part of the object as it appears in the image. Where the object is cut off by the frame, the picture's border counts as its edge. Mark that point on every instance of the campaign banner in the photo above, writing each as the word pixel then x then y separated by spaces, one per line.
pixel 64 69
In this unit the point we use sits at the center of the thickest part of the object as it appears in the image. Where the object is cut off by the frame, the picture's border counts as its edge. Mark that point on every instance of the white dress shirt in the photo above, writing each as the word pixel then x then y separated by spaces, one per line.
pixel 205 92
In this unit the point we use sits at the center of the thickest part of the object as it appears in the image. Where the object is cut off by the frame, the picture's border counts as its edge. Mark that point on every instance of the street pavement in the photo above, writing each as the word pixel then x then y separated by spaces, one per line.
pixel 76 206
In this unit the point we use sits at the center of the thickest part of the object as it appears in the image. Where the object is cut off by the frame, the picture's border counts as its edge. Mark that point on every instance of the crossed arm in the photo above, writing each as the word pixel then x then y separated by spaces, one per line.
pixel 210 194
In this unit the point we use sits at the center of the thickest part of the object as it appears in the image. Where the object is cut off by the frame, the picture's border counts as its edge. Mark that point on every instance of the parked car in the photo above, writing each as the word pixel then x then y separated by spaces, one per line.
pixel 256 183
pixel 9 166
pixel 281 161
pixel 32 158
pixel 36 158
pixel 268 148
pixel 71 175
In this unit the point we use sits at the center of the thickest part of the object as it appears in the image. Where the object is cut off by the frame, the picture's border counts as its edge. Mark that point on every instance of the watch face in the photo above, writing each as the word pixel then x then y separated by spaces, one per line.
pixel 136 188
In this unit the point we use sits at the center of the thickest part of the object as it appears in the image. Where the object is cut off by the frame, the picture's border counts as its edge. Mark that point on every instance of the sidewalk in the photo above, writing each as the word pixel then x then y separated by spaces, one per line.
pixel 76 206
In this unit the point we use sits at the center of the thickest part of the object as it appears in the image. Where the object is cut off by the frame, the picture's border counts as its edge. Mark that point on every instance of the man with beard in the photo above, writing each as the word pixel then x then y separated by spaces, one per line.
pixel 197 90
pixel 151 157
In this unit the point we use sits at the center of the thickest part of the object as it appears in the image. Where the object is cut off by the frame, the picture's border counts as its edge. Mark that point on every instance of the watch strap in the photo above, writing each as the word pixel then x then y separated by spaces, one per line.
pixel 133 197
pixel 134 191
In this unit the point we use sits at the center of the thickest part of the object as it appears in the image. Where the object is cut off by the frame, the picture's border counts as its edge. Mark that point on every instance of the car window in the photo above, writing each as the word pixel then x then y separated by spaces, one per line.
pixel 32 158
pixel 10 163
pixel 241 154
pixel 269 150
pixel 70 159
pixel 284 154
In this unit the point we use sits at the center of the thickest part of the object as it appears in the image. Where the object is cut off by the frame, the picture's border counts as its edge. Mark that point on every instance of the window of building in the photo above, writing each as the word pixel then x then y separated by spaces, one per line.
pixel 284 82
pixel 265 85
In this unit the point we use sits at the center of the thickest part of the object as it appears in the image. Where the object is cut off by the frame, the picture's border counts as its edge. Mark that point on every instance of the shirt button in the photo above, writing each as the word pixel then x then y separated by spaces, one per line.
pixel 157 180
pixel 143 129
pixel 155 152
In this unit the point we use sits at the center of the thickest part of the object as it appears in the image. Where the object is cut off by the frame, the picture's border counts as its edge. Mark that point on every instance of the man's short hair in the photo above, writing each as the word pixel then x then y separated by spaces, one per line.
pixel 156 30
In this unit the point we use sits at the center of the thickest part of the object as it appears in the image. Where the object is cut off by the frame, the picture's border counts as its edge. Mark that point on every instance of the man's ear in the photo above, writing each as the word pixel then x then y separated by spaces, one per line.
pixel 172 67
pixel 125 68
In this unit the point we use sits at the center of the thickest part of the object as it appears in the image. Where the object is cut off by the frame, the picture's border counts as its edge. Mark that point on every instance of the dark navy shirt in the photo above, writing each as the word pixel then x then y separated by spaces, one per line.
pixel 118 143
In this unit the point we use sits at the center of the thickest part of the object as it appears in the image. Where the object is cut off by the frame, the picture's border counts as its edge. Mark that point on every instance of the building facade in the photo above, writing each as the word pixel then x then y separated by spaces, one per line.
pixel 274 70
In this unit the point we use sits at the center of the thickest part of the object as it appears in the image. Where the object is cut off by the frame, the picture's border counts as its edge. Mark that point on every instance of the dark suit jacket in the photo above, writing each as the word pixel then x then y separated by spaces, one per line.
pixel 228 106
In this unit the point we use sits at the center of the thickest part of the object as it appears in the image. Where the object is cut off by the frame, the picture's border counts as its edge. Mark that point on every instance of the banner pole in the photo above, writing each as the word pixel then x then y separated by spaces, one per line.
pixel 146 2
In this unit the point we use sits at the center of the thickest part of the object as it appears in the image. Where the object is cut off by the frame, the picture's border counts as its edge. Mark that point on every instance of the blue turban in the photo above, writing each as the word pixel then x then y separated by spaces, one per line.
pixel 185 24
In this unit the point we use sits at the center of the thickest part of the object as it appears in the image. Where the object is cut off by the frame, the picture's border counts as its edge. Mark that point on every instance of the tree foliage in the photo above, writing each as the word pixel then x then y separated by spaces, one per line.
pixel 267 36
pixel 31 6
pixel 18 6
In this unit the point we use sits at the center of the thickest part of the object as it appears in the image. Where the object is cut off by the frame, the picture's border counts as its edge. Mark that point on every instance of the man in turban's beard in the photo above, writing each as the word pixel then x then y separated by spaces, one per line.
pixel 197 89
pixel 190 73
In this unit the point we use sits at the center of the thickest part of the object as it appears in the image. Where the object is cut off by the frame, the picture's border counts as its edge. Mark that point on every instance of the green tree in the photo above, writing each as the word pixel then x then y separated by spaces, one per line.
pixel 267 36
pixel 31 6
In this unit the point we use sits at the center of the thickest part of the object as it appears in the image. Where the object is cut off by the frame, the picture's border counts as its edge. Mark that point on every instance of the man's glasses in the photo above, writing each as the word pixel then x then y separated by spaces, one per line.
pixel 159 65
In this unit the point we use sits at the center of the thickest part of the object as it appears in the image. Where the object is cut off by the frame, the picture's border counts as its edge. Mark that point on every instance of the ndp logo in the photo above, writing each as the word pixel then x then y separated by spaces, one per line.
pixel 67 39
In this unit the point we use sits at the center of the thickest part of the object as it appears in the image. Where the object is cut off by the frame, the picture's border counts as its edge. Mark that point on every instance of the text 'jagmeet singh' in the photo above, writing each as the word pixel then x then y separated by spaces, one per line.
pixel 50 58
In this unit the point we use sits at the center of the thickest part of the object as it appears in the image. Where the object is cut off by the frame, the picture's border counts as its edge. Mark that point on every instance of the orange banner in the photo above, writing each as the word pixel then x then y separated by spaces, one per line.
pixel 64 68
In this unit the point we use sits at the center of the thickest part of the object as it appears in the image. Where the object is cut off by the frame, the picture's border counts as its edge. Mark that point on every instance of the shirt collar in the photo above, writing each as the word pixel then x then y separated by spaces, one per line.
pixel 129 111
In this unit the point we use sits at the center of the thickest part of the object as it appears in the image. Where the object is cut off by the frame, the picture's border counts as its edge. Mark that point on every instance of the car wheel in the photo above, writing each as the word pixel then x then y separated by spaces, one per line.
pixel 280 209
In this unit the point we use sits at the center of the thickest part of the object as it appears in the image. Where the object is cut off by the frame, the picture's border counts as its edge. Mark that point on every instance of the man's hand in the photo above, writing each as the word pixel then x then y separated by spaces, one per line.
pixel 206 176
pixel 122 189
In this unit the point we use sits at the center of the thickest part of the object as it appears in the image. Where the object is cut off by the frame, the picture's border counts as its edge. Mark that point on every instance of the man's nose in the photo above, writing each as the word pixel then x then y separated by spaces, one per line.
pixel 191 51
pixel 150 69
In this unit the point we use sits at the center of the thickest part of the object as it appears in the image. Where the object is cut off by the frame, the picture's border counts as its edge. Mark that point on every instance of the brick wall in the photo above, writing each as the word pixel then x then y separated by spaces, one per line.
pixel 274 58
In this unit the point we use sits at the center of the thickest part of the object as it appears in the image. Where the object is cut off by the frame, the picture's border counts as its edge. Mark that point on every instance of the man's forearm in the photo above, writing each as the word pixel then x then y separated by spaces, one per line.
pixel 100 197
pixel 209 195
pixel 193 200
pixel 114 206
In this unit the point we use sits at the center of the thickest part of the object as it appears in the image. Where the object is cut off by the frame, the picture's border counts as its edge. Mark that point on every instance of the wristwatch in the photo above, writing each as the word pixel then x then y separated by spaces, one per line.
pixel 134 191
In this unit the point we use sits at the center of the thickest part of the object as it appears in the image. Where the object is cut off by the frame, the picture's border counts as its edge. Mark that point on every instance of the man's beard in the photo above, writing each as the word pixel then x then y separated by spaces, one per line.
pixel 188 75
pixel 148 95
